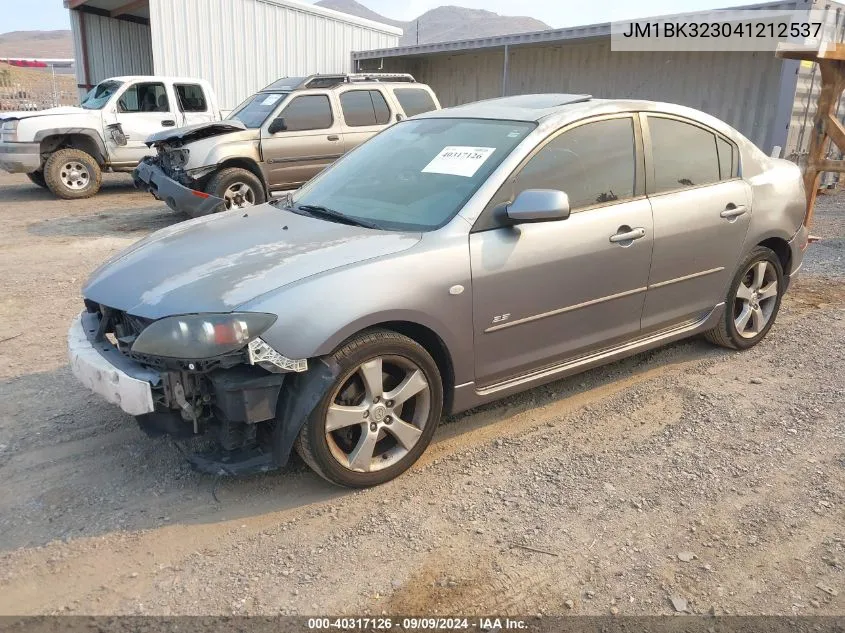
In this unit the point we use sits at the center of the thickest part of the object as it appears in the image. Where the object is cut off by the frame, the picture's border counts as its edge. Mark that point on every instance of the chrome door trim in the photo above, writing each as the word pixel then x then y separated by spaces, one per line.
pixel 577 306
pixel 702 273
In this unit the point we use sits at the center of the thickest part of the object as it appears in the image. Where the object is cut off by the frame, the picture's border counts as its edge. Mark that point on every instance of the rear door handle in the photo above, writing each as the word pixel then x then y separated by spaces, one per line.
pixel 627 234
pixel 733 211
pixel 333 137
pixel 168 123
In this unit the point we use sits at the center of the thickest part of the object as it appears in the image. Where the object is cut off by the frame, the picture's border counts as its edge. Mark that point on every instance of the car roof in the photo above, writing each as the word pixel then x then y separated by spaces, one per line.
pixel 557 109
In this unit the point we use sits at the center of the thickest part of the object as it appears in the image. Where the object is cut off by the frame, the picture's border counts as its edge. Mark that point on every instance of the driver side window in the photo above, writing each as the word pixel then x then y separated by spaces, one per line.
pixel 594 163
pixel 144 97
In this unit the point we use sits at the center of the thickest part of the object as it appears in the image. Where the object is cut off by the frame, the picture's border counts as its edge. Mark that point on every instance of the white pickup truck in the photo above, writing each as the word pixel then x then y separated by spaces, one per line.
pixel 66 149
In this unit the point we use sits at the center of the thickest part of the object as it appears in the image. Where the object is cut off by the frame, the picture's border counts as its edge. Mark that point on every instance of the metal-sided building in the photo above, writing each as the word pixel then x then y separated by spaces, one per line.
pixel 764 97
pixel 239 46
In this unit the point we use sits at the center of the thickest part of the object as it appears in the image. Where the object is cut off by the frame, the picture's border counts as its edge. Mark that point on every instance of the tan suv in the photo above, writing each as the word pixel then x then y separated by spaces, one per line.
pixel 277 139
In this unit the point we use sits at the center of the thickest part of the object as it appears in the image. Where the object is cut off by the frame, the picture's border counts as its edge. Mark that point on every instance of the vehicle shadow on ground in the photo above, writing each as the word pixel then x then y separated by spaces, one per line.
pixel 74 466
pixel 109 223
pixel 29 192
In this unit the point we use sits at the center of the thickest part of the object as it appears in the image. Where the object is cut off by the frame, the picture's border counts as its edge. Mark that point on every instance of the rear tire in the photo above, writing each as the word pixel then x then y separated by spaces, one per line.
pixel 72 174
pixel 239 188
pixel 752 302
pixel 37 178
pixel 378 416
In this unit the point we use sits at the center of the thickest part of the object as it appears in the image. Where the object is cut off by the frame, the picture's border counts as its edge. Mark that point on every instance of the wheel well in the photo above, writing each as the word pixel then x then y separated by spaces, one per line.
pixel 781 249
pixel 435 346
pixel 249 165
pixel 82 142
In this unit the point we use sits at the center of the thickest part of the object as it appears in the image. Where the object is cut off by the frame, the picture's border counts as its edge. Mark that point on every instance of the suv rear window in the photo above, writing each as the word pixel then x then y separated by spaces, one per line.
pixel 191 98
pixel 364 107
pixel 414 100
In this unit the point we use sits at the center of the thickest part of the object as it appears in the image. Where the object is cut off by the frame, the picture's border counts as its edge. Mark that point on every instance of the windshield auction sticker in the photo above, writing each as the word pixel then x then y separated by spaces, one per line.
pixel 459 160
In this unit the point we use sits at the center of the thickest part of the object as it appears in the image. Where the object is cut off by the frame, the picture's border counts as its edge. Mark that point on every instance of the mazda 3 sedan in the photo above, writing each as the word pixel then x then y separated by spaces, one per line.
pixel 457 257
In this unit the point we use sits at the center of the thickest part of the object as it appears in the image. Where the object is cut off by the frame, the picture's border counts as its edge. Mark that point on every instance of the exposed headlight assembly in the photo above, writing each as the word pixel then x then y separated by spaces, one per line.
pixel 199 336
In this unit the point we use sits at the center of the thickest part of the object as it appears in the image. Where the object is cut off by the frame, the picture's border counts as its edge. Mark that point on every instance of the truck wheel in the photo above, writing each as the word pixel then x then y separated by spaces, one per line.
pixel 72 174
pixel 239 188
pixel 378 416
pixel 37 178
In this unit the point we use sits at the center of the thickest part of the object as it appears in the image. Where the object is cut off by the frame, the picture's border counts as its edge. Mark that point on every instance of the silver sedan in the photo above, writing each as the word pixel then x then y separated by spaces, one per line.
pixel 456 258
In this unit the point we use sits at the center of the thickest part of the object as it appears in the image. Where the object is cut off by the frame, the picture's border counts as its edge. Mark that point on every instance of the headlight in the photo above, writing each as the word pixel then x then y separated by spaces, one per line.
pixel 10 131
pixel 198 336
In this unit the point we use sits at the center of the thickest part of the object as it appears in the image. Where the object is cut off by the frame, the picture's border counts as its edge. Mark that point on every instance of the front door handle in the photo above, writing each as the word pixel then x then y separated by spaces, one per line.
pixel 168 123
pixel 733 211
pixel 627 234
pixel 333 137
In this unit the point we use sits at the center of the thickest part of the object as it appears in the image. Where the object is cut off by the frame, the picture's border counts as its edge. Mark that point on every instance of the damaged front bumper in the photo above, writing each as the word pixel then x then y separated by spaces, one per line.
pixel 255 401
pixel 151 177
pixel 105 371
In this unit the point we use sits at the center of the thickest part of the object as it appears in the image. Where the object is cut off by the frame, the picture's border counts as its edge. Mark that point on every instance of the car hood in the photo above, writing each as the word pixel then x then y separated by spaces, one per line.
pixel 26 114
pixel 218 262
pixel 196 132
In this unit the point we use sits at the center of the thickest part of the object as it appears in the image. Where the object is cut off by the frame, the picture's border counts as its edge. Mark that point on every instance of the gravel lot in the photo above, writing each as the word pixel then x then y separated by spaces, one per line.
pixel 689 477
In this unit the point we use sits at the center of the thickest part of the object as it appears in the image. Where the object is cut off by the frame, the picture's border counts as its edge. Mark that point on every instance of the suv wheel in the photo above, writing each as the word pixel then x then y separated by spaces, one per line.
pixel 378 416
pixel 752 303
pixel 239 188
pixel 72 174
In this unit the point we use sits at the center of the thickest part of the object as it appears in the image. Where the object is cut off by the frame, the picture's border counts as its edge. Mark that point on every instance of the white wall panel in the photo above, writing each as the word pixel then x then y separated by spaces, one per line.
pixel 240 46
pixel 113 47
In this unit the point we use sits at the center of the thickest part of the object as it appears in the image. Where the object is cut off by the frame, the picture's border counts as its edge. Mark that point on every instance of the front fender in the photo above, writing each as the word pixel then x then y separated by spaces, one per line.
pixel 419 285
pixel 91 133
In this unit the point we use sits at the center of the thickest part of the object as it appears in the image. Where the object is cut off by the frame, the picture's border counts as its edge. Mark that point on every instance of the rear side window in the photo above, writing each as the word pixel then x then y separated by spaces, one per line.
pixel 593 163
pixel 364 107
pixel 191 98
pixel 684 155
pixel 414 100
pixel 308 112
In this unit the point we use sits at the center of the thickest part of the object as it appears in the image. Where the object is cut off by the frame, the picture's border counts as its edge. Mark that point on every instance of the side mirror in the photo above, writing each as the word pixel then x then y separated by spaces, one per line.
pixel 278 125
pixel 538 205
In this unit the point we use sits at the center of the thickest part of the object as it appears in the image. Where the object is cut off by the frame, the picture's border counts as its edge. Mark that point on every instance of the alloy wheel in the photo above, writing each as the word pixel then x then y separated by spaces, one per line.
pixel 238 196
pixel 756 298
pixel 377 414
pixel 75 175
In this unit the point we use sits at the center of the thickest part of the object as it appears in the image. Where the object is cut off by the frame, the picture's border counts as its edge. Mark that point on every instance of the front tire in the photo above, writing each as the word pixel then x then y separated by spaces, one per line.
pixel 72 174
pixel 239 188
pixel 752 303
pixel 378 416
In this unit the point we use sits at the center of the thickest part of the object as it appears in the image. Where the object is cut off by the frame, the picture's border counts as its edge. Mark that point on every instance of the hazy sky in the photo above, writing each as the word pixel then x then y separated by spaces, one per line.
pixel 50 14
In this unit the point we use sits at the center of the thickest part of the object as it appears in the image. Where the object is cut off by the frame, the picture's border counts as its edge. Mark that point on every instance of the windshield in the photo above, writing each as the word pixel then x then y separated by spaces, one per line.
pixel 416 175
pixel 99 95
pixel 255 110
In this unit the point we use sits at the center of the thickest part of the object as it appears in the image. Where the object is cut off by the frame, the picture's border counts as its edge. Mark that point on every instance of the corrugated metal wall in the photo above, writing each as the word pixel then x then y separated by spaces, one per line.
pixel 114 47
pixel 739 88
pixel 240 46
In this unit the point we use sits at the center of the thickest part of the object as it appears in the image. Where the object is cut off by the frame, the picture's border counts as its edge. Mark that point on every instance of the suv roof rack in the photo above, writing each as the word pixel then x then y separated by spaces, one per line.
pixel 332 80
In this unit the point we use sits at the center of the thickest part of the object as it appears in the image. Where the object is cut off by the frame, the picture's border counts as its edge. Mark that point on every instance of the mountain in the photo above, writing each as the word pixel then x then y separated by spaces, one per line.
pixel 43 44
pixel 445 23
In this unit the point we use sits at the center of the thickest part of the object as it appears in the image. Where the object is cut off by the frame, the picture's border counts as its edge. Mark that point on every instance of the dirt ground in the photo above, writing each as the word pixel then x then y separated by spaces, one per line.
pixel 712 477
